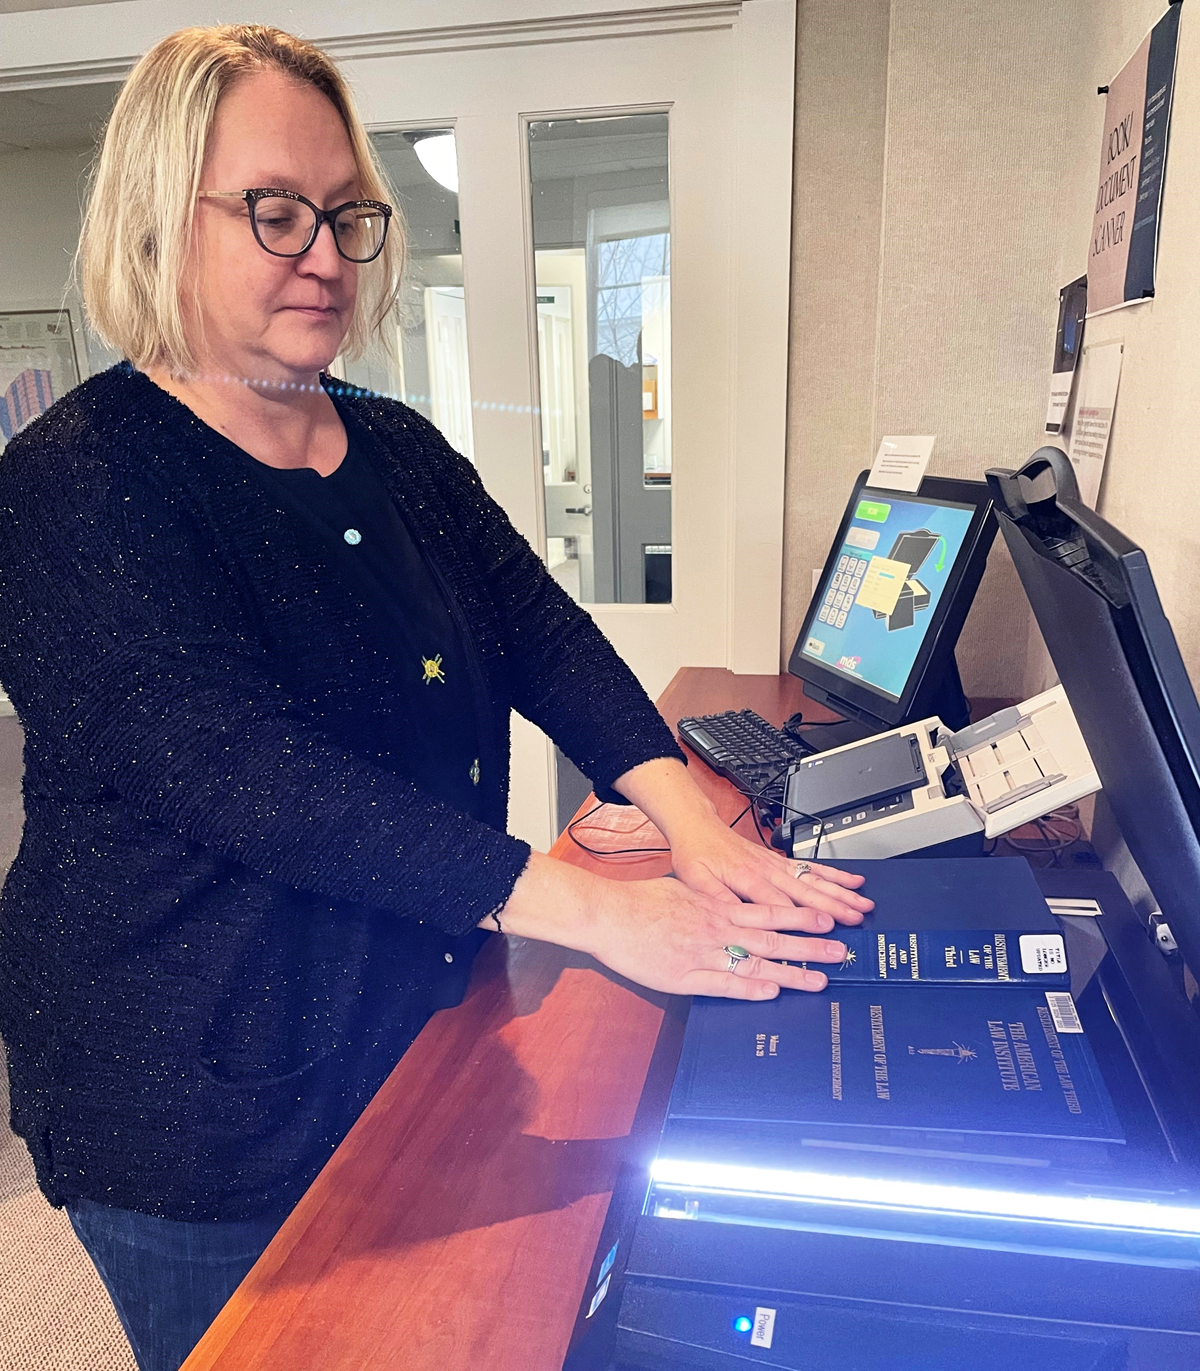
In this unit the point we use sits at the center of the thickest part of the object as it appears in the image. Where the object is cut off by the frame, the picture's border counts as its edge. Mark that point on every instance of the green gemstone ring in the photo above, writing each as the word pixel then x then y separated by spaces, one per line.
pixel 736 954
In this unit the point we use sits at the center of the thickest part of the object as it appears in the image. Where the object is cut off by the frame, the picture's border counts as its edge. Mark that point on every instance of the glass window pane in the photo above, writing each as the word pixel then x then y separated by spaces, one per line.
pixel 602 267
pixel 428 366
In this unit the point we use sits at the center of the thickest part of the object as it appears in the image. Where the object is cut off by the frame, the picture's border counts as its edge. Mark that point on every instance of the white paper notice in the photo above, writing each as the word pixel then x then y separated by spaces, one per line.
pixel 1060 394
pixel 1095 402
pixel 900 463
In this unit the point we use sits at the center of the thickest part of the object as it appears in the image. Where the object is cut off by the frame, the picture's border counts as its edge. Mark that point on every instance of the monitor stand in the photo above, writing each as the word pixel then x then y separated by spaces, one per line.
pixel 823 737
pixel 945 699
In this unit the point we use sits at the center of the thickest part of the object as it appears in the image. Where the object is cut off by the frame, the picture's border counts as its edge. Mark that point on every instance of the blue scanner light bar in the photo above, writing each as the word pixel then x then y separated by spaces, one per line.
pixel 1084 1211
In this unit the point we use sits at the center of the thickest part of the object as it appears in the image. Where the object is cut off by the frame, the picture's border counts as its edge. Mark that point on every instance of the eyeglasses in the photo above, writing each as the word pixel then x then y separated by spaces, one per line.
pixel 286 224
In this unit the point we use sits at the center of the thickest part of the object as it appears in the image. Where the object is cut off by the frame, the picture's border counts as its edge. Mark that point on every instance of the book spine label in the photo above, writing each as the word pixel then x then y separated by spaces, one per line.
pixel 899 957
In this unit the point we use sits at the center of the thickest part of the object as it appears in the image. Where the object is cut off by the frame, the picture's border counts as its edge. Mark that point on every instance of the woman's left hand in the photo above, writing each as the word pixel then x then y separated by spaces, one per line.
pixel 716 861
pixel 713 860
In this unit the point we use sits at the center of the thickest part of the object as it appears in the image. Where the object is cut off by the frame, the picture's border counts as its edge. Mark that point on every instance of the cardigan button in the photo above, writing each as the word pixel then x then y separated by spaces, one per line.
pixel 449 956
pixel 352 536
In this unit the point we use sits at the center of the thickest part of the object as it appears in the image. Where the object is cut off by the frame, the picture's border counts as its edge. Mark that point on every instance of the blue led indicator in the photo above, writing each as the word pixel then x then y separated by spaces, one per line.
pixel 742 1324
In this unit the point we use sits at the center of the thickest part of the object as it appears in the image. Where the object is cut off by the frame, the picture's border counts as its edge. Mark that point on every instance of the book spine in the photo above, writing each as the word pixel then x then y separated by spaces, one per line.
pixel 952 957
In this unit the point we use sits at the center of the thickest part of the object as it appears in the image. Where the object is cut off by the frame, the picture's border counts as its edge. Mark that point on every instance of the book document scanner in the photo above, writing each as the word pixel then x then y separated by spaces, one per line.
pixel 867 799
pixel 813 1247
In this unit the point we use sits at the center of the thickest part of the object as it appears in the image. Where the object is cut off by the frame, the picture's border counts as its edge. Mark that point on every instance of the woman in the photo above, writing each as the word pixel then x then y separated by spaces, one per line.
pixel 264 638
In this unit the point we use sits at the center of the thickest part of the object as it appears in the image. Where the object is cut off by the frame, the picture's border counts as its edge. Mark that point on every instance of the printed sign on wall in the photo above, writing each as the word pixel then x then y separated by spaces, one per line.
pixel 1133 154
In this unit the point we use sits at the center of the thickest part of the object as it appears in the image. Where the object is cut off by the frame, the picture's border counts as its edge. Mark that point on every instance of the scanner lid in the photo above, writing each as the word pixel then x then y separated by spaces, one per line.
pixel 1116 655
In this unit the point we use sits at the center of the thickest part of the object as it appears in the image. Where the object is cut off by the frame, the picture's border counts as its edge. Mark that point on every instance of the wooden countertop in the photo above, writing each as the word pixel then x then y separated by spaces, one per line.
pixel 454 1226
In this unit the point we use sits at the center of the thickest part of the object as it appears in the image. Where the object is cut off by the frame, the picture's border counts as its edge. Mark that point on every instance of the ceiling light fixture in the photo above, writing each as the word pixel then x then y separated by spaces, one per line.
pixel 438 155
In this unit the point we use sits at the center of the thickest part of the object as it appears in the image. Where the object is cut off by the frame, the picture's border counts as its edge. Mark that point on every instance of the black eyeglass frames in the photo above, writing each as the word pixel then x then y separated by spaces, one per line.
pixel 286 224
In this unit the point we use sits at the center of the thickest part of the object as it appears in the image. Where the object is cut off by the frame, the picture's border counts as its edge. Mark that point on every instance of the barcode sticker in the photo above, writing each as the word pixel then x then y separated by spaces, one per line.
pixel 1042 953
pixel 1063 1012
pixel 764 1328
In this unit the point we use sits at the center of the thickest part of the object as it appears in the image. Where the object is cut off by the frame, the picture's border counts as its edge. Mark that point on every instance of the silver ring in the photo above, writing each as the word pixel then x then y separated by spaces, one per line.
pixel 736 954
pixel 802 869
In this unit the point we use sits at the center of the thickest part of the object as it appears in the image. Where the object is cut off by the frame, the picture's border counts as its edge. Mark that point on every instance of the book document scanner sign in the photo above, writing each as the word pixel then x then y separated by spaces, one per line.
pixel 921 785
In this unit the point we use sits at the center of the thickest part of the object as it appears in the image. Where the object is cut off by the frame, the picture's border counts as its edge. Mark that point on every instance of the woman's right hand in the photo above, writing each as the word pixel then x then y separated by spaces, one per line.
pixel 667 937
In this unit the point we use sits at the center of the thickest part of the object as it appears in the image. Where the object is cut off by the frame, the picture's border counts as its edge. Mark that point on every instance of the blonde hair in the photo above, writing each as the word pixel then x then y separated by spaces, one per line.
pixel 134 246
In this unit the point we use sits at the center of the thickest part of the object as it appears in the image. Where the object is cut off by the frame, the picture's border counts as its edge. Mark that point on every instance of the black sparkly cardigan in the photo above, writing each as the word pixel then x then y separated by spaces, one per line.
pixel 231 912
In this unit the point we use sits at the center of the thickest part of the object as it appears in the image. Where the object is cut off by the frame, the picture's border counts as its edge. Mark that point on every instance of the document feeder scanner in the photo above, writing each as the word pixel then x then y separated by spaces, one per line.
pixel 884 658
pixel 978 783
pixel 1007 758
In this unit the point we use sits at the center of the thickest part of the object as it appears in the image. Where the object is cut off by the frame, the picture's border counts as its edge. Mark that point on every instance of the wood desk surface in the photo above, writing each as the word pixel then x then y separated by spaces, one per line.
pixel 454 1226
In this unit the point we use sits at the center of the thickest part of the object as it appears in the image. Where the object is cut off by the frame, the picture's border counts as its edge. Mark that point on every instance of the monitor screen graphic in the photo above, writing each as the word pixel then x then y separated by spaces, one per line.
pixel 879 598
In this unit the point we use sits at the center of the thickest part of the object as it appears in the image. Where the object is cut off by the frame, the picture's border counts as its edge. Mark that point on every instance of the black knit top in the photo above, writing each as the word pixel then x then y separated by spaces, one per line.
pixel 226 918
pixel 371 547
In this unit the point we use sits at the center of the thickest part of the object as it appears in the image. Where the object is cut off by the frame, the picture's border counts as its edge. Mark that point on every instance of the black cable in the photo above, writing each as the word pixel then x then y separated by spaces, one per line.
pixel 749 808
pixel 812 819
pixel 631 851
pixel 1052 847
pixel 1052 842
pixel 784 806
pixel 616 851
pixel 1057 843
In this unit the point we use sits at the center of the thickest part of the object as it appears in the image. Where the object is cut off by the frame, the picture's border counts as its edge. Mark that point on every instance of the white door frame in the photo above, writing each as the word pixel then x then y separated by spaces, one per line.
pixel 385 46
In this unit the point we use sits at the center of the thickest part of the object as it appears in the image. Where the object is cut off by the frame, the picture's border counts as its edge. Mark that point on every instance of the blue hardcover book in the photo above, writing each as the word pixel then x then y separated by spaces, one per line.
pixel 1007 1060
pixel 955 920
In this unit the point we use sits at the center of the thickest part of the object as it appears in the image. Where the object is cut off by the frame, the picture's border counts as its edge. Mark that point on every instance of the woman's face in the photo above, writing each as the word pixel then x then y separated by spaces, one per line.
pixel 264 317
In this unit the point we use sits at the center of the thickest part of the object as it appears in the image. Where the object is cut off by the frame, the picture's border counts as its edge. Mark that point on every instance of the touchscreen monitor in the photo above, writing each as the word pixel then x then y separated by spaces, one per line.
pixel 881 595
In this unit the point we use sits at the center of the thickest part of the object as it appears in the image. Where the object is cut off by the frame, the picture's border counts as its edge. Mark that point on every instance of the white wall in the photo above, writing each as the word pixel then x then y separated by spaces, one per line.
pixel 40 196
pixel 841 108
pixel 39 224
pixel 946 167
pixel 932 141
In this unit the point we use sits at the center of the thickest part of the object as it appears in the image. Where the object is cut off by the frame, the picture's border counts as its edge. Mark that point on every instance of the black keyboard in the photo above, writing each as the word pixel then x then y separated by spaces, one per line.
pixel 743 747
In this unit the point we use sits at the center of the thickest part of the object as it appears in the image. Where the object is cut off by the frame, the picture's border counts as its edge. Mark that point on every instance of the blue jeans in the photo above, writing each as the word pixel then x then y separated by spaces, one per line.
pixel 168 1280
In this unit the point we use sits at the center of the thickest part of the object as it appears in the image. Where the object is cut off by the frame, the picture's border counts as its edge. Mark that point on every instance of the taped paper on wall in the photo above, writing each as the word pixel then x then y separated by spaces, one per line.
pixel 1091 425
pixel 900 462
